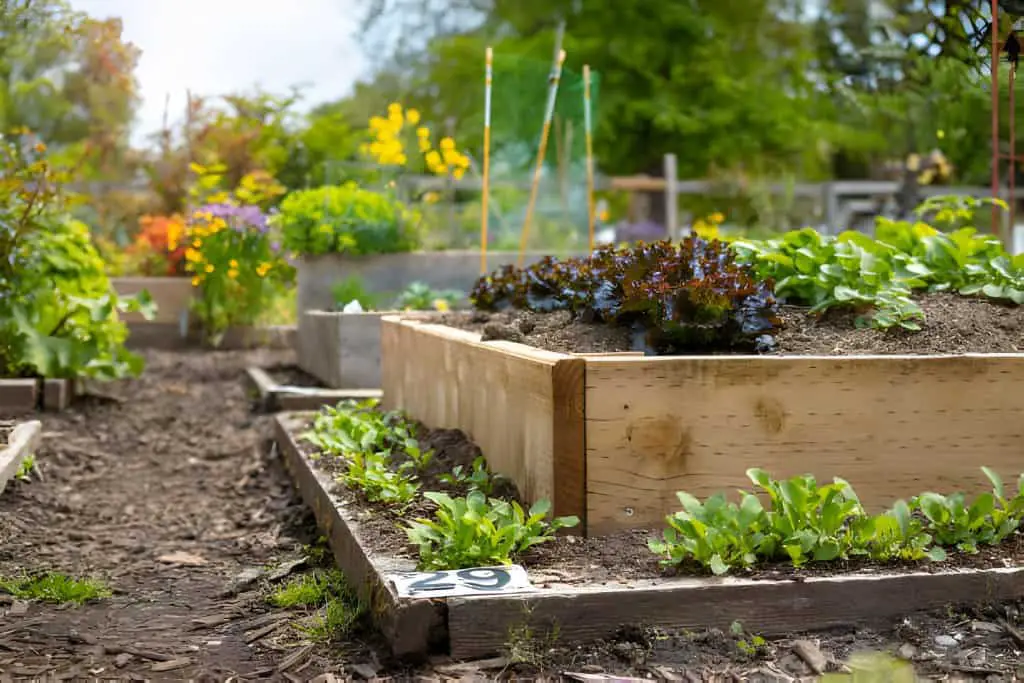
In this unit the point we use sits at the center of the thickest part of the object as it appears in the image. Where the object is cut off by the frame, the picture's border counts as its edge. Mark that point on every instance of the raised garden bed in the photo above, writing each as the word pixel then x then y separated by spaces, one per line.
pixel 587 589
pixel 287 388
pixel 27 395
pixel 612 438
pixel 18 440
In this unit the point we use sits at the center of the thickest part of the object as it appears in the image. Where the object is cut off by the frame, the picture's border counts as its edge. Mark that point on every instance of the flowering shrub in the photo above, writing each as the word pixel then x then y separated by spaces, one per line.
pixel 232 255
pixel 151 253
pixel 393 138
pixel 346 220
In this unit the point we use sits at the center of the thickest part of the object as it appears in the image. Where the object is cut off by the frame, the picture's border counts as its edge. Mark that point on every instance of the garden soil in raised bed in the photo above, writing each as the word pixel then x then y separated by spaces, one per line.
pixel 953 324
pixel 987 642
pixel 617 558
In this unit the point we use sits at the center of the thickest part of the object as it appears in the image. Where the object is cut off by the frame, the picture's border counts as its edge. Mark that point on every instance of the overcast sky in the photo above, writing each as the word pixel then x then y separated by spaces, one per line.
pixel 219 46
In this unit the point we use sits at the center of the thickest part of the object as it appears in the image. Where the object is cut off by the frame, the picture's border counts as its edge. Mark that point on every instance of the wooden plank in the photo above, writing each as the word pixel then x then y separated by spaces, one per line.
pixel 19 395
pixel 412 627
pixel 521 405
pixel 58 394
pixel 21 443
pixel 893 426
pixel 303 398
pixel 479 626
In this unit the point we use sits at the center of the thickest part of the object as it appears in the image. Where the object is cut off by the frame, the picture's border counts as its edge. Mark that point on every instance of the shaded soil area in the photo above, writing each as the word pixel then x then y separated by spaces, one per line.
pixel 165 491
pixel 293 376
pixel 953 324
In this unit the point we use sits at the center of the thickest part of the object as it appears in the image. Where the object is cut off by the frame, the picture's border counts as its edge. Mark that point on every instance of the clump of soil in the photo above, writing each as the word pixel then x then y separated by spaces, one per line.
pixel 953 324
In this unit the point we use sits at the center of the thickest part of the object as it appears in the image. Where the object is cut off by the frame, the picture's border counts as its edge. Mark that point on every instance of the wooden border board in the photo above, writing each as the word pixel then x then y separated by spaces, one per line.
pixel 412 627
pixel 19 396
pixel 480 626
pixel 273 396
pixel 523 406
pixel 21 442
pixel 611 438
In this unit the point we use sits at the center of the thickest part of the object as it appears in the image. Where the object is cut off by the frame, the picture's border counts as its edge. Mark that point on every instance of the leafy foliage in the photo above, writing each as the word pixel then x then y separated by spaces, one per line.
pixel 681 297
pixel 477 531
pixel 346 220
pixel 380 454
pixel 881 274
pixel 58 313
pixel 383 460
pixel 807 522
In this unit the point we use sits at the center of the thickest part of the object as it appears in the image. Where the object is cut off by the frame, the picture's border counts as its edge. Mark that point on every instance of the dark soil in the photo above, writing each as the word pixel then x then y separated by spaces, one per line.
pixel 293 376
pixel 953 324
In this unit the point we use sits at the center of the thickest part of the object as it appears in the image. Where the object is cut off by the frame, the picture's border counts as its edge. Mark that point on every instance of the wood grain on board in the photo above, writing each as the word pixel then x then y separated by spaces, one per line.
pixel 411 627
pixel 480 626
pixel 522 406
pixel 893 426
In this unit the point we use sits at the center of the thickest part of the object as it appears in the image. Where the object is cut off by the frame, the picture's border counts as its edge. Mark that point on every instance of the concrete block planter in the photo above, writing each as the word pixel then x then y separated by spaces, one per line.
pixel 342 350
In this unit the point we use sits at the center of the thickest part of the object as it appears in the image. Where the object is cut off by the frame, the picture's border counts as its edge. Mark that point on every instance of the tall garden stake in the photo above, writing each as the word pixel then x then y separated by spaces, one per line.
pixel 549 113
pixel 488 76
pixel 588 134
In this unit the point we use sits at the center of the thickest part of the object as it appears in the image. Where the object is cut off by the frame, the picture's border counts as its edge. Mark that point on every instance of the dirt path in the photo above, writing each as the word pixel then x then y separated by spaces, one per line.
pixel 167 494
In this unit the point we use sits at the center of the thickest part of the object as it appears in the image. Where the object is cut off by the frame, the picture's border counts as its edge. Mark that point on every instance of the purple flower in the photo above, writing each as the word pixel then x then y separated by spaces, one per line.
pixel 240 218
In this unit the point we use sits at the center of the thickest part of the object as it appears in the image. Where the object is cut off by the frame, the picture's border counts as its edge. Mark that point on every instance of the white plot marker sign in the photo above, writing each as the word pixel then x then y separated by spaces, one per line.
pixel 457 582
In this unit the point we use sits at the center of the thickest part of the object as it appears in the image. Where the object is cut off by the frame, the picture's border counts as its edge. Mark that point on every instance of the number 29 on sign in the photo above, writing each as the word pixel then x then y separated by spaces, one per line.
pixel 476 581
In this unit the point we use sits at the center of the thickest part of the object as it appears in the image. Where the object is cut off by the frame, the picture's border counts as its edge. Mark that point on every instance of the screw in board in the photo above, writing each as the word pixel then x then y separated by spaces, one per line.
pixel 628 511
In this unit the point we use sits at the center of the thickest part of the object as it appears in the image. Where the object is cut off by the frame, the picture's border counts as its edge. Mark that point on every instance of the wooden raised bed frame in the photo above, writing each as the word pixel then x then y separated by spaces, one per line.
pixel 19 444
pixel 272 396
pixel 18 396
pixel 612 438
pixel 479 626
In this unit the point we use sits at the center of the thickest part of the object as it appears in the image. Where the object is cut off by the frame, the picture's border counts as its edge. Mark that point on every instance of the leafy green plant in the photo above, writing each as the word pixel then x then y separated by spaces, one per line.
pixel 477 531
pixel 346 220
pixel 808 522
pixel 881 275
pixel 682 297
pixel 477 478
pixel 337 608
pixel 58 312
pixel 56 588
pixel 381 455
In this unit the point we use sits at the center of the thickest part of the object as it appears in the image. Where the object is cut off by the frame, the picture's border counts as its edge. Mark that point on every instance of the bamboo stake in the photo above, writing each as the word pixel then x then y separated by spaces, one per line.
pixel 556 74
pixel 486 183
pixel 588 133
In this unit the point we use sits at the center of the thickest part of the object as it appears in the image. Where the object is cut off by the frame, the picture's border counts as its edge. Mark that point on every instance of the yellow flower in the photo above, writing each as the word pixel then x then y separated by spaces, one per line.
pixel 40 147
pixel 716 218
pixel 423 132
pixel 394 109
pixel 433 158
pixel 447 144
pixel 209 268
pixel 458 173
pixel 378 122
pixel 193 255
pixel 233 263
pixel 431 197
pixel 412 116
pixel 232 273
pixel 424 145
pixel 196 243
pixel 441 305
pixel 262 269
pixel 196 280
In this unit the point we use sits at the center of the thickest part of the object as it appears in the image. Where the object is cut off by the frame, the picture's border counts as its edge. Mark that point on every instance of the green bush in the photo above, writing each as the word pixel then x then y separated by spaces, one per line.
pixel 346 220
